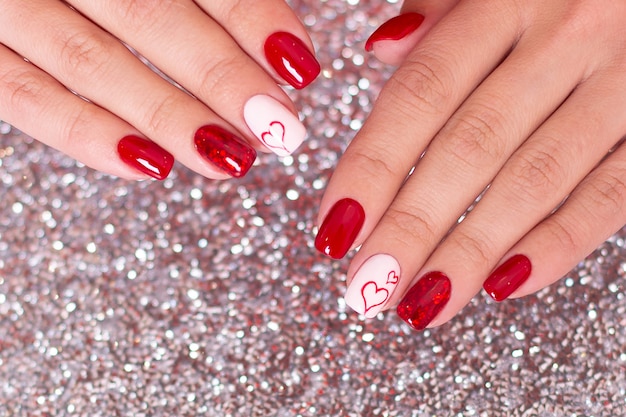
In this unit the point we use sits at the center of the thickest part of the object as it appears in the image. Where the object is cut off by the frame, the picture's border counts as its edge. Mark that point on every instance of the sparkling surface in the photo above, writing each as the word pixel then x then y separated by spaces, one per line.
pixel 193 297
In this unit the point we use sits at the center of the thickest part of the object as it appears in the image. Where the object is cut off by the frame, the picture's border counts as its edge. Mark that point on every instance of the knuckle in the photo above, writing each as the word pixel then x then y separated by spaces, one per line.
pixel 157 114
pixel 536 172
pixel 473 246
pixel 76 131
pixel 22 88
pixel 419 85
pixel 473 139
pixel 86 53
pixel 564 234
pixel 413 224
pixel 375 163
pixel 144 11
pixel 216 75
pixel 608 189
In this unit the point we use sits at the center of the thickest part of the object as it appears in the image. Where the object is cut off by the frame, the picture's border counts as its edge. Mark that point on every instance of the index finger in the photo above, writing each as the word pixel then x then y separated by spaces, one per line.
pixel 442 70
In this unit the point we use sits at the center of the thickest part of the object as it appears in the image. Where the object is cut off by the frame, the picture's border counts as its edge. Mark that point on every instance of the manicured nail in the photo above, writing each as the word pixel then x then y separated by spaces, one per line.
pixel 275 125
pixel 340 228
pixel 145 156
pixel 291 59
pixel 395 29
pixel 508 277
pixel 373 284
pixel 425 300
pixel 224 150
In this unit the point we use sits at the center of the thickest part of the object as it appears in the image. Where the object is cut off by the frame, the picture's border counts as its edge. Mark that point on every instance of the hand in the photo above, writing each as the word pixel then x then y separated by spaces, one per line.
pixel 519 102
pixel 124 119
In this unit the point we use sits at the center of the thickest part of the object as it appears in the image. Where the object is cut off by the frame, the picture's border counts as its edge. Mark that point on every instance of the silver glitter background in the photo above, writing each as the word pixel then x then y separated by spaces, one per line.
pixel 194 297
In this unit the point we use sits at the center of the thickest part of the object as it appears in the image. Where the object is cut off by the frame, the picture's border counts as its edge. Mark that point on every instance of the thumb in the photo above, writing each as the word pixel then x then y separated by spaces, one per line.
pixel 394 39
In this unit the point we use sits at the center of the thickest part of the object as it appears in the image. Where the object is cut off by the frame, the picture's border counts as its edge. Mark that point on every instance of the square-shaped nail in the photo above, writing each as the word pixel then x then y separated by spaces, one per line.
pixel 291 59
pixel 224 150
pixel 275 125
pixel 340 228
pixel 373 285
pixel 145 156
pixel 425 300
pixel 508 277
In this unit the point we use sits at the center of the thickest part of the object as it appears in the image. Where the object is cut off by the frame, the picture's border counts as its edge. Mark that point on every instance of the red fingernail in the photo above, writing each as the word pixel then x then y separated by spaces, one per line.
pixel 224 150
pixel 425 300
pixel 291 59
pixel 395 29
pixel 508 277
pixel 340 227
pixel 145 156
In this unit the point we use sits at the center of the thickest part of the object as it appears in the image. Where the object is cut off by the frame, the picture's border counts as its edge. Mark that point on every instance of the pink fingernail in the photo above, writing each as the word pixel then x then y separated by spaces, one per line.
pixel 275 125
pixel 373 285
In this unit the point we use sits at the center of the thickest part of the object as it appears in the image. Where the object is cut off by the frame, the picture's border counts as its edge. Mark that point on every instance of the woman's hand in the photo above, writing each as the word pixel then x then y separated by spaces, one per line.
pixel 522 103
pixel 67 79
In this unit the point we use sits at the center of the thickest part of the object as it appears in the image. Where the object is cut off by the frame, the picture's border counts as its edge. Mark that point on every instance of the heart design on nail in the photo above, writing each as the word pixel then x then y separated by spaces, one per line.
pixel 392 278
pixel 275 136
pixel 373 296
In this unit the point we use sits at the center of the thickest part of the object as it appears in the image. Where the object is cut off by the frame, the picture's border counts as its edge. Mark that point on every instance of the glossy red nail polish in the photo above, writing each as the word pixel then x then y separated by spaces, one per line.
pixel 291 59
pixel 425 300
pixel 145 156
pixel 395 29
pixel 508 277
pixel 340 228
pixel 224 150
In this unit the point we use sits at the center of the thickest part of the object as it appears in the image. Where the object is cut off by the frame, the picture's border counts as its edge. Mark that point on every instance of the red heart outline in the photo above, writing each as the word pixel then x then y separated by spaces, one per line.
pixel 270 135
pixel 377 302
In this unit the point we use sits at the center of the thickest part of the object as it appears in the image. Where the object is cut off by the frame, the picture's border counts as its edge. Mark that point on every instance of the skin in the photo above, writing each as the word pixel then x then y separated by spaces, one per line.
pixel 213 49
pixel 526 97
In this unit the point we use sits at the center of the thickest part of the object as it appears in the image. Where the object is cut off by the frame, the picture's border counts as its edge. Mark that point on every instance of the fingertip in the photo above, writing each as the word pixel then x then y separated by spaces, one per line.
pixel 393 40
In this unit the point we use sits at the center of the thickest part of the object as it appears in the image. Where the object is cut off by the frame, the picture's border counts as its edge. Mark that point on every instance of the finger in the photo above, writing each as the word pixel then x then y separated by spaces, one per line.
pixel 286 50
pixel 471 149
pixel 394 39
pixel 193 49
pixel 43 108
pixel 97 66
pixel 411 109
pixel 532 183
pixel 595 210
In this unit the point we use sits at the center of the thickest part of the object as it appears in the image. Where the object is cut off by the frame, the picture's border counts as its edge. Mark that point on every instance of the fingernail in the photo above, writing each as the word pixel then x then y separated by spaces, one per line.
pixel 508 277
pixel 145 156
pixel 425 300
pixel 340 228
pixel 291 59
pixel 395 29
pixel 224 150
pixel 275 125
pixel 373 285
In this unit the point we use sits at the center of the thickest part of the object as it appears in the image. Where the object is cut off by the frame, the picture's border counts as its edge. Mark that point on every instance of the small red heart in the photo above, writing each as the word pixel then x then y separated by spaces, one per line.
pixel 275 136
pixel 392 278
pixel 373 296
